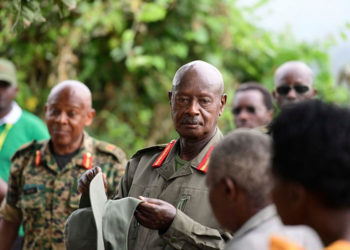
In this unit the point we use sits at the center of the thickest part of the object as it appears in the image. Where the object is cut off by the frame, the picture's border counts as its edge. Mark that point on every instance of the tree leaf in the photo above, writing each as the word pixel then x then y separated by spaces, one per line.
pixel 151 12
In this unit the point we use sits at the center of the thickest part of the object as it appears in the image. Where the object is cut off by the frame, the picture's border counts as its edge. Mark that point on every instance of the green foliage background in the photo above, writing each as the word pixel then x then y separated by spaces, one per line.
pixel 127 52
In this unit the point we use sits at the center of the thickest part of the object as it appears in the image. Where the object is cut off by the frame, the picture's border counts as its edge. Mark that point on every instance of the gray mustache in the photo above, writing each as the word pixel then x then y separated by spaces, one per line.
pixel 190 120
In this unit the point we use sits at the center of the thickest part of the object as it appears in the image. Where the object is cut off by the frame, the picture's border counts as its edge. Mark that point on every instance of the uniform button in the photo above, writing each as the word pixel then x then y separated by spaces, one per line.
pixel 173 239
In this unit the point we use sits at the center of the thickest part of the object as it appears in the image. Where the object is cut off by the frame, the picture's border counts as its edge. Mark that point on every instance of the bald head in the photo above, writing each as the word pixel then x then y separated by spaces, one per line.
pixel 204 70
pixel 294 68
pixel 197 100
pixel 79 88
pixel 67 112
pixel 293 83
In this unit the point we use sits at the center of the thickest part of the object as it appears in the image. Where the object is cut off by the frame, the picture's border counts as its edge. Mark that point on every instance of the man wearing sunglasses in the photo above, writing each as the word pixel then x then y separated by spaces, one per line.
pixel 293 83
pixel 252 106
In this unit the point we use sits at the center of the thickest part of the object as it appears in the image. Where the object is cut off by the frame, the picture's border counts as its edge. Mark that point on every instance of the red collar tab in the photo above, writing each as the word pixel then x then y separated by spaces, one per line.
pixel 203 166
pixel 87 160
pixel 164 154
pixel 37 158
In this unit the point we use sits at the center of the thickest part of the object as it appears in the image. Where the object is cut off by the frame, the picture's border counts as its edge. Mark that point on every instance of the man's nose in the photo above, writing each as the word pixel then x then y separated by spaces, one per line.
pixel 243 115
pixel 62 118
pixel 292 94
pixel 193 109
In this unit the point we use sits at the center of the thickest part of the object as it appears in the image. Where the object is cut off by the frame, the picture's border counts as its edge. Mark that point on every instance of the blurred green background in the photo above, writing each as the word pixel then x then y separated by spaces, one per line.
pixel 127 52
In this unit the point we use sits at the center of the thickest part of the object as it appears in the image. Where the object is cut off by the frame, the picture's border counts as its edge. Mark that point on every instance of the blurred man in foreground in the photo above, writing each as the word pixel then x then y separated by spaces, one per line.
pixel 239 193
pixel 311 166
pixel 176 214
pixel 252 106
pixel 293 83
pixel 44 175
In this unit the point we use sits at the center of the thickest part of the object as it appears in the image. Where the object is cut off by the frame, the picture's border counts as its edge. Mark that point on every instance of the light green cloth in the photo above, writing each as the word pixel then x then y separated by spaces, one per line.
pixel 105 225
pixel 98 200
pixel 116 222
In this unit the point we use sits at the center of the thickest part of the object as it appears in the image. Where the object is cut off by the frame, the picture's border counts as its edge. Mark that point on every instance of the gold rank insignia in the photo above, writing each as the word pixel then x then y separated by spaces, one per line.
pixel 37 158
pixel 87 160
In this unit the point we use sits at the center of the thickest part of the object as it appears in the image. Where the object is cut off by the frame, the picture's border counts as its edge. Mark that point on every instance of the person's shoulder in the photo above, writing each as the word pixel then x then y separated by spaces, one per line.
pixel 110 149
pixel 28 149
pixel 31 117
pixel 149 150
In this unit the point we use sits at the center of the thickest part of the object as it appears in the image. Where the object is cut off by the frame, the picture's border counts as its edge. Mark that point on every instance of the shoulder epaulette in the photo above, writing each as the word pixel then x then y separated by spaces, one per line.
pixel 159 161
pixel 155 148
pixel 31 146
pixel 111 149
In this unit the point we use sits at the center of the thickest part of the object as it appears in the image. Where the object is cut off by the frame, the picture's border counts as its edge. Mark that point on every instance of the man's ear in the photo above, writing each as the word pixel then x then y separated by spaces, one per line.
pixel 222 103
pixel 314 92
pixel 270 115
pixel 274 95
pixel 90 117
pixel 230 188
pixel 297 196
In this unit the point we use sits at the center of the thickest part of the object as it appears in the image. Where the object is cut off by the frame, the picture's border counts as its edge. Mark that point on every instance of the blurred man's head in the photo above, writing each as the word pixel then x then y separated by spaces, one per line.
pixel 311 163
pixel 197 100
pixel 68 111
pixel 252 106
pixel 8 86
pixel 238 177
pixel 293 83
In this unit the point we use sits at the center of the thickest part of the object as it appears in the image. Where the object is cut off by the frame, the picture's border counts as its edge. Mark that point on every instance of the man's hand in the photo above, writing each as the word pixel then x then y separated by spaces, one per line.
pixel 86 178
pixel 155 214
pixel 3 189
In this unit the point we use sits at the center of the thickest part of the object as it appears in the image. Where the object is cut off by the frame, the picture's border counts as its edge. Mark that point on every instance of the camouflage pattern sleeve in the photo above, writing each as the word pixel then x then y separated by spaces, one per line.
pixel 10 210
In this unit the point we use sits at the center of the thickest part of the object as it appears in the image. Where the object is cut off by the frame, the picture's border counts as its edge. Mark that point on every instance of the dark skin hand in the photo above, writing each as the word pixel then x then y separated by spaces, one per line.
pixel 86 178
pixel 151 213
pixel 155 214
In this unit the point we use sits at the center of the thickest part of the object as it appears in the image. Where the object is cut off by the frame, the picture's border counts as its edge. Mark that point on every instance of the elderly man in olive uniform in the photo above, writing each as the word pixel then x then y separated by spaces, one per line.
pixel 44 175
pixel 293 83
pixel 170 179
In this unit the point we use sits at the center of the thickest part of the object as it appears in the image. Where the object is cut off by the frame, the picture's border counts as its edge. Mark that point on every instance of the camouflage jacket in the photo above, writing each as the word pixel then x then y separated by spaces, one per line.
pixel 42 195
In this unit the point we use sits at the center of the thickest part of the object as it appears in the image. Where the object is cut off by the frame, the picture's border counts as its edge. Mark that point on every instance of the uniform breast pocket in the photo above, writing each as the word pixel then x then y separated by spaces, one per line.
pixel 194 202
pixel 33 197
pixel 33 206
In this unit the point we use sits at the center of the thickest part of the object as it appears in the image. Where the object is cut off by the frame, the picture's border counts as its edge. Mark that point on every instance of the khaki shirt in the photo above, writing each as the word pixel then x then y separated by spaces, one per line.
pixel 194 226
pixel 42 196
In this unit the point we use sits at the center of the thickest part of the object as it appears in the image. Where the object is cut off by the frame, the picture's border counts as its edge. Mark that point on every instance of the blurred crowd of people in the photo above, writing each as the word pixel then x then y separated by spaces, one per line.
pixel 279 181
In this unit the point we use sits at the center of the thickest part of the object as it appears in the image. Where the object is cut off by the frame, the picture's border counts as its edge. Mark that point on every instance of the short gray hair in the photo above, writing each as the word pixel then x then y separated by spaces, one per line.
pixel 244 155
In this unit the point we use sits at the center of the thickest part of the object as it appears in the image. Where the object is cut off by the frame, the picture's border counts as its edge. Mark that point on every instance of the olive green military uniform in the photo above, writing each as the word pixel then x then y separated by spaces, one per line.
pixel 42 195
pixel 151 173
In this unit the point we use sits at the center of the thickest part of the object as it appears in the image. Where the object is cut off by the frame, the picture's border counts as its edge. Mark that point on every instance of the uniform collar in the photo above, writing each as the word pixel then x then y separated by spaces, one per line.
pixel 194 163
pixel 13 116
pixel 83 159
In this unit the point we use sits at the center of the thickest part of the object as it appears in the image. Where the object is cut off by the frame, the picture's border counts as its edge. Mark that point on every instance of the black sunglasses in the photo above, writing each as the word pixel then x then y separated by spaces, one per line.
pixel 284 90
pixel 238 110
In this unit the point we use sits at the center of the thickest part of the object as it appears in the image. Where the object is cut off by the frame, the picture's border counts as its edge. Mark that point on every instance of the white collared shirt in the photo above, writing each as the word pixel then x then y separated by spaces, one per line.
pixel 13 116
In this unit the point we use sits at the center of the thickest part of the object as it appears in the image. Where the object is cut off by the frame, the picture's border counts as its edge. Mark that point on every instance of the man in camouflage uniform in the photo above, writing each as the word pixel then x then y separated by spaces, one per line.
pixel 170 179
pixel 44 175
